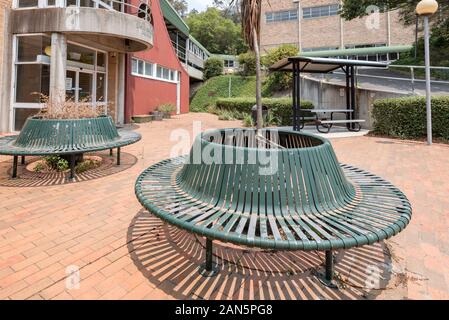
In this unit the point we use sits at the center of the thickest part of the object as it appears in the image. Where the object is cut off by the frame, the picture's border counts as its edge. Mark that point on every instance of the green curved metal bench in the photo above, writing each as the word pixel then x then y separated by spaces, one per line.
pixel 308 202
pixel 44 137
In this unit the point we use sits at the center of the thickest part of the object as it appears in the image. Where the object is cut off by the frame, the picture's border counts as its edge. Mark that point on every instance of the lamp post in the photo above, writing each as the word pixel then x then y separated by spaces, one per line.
pixel 426 8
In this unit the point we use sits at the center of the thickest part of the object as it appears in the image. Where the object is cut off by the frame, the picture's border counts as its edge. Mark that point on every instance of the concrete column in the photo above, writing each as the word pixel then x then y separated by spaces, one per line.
pixel 58 68
pixel 6 72
pixel 121 88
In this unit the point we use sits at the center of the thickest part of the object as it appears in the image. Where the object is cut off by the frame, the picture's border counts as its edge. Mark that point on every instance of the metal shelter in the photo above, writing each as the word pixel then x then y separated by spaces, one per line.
pixel 301 64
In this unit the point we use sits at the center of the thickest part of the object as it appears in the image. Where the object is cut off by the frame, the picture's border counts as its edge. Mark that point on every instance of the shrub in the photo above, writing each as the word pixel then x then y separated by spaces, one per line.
pixel 406 117
pixel 57 163
pixel 279 108
pixel 248 63
pixel 213 67
pixel 166 108
pixel 278 81
pixel 248 121
pixel 87 165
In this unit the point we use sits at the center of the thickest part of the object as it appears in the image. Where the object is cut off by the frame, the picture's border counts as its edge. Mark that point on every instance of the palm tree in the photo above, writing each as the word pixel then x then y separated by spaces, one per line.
pixel 251 11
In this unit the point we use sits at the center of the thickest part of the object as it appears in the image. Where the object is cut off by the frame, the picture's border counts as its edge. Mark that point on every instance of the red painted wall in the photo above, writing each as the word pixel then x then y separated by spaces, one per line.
pixel 144 95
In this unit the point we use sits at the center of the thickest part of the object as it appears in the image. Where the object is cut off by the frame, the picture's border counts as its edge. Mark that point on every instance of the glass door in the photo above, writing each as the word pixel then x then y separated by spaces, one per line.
pixel 85 87
pixel 79 86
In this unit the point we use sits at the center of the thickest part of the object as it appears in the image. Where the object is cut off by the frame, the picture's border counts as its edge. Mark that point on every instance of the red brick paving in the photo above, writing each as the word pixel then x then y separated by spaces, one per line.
pixel 124 253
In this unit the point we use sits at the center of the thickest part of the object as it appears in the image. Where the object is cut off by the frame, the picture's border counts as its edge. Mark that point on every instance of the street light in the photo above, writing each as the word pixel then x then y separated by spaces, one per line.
pixel 426 8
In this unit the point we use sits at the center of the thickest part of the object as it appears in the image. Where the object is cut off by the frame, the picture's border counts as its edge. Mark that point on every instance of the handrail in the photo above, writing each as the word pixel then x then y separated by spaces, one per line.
pixel 113 5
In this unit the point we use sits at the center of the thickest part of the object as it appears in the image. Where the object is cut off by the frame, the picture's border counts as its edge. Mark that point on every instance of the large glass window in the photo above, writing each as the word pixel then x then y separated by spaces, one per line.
pixel 28 3
pixel 321 11
pixel 33 49
pixel 287 15
pixel 32 80
pixel 78 56
pixel 86 76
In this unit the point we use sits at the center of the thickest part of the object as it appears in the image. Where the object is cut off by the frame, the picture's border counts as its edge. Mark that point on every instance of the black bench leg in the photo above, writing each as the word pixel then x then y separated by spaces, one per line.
pixel 14 167
pixel 111 152
pixel 356 128
pixel 328 278
pixel 118 156
pixel 72 166
pixel 327 127
pixel 329 266
pixel 22 162
pixel 209 268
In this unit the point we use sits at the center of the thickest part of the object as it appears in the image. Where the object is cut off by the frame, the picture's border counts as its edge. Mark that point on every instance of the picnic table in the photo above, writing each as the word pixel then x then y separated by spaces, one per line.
pixel 353 125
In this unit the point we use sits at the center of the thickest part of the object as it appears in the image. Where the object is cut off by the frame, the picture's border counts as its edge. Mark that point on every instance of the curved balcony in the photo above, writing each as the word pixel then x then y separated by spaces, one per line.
pixel 110 25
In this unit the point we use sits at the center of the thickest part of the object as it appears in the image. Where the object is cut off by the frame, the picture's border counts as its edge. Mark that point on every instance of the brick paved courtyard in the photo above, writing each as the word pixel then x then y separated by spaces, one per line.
pixel 122 252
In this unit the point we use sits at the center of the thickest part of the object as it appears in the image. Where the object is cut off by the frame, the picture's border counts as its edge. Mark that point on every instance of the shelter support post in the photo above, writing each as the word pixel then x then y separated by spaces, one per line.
pixel 348 94
pixel 353 102
pixel 296 97
pixel 22 161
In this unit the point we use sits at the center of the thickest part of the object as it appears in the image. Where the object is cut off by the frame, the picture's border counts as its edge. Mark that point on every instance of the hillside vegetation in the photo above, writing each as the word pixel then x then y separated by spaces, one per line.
pixel 218 87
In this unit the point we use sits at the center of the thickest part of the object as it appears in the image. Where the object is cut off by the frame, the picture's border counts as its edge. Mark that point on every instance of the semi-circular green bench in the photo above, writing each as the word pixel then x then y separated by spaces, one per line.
pixel 301 198
pixel 74 137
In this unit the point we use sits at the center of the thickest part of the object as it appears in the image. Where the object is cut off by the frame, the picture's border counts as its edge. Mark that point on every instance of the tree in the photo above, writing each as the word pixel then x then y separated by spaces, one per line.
pixel 216 33
pixel 278 81
pixel 358 8
pixel 228 10
pixel 439 40
pixel 247 61
pixel 213 67
pixel 180 6
pixel 251 15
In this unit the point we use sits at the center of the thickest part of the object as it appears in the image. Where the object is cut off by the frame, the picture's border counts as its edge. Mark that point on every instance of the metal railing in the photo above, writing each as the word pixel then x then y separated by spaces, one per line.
pixel 410 75
pixel 180 51
pixel 143 11
pixel 413 79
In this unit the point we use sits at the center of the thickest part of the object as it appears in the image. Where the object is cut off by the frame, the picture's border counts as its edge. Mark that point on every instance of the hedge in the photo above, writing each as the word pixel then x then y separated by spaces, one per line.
pixel 406 117
pixel 213 67
pixel 280 108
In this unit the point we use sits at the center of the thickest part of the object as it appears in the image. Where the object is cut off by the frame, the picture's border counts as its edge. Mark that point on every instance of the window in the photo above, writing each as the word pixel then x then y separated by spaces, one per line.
pixel 150 70
pixel 32 79
pixel 278 16
pixel 78 56
pixel 28 3
pixel 229 63
pixel 319 49
pixel 33 49
pixel 321 11
pixel 86 71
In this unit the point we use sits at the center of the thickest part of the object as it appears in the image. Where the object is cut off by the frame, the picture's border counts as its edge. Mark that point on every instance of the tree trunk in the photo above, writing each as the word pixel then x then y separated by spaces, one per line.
pixel 258 82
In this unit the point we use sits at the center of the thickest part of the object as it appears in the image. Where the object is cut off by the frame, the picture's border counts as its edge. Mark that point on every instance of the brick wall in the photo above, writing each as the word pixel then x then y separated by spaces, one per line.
pixel 276 33
pixel 325 32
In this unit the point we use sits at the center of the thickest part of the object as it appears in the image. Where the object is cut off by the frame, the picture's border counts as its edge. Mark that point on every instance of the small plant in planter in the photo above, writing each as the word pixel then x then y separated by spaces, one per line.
pixel 157 115
pixel 167 109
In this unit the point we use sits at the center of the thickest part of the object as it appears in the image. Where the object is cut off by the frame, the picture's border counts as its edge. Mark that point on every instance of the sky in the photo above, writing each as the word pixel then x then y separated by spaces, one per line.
pixel 199 5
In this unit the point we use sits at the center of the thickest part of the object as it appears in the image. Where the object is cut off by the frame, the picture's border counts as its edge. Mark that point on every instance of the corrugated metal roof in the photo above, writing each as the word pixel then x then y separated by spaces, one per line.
pixel 192 38
pixel 175 19
pixel 321 65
